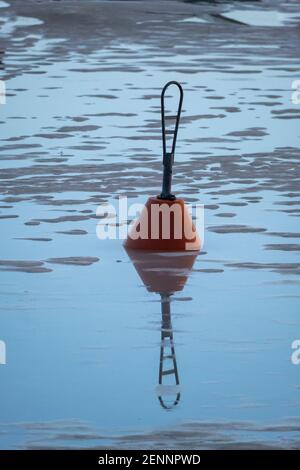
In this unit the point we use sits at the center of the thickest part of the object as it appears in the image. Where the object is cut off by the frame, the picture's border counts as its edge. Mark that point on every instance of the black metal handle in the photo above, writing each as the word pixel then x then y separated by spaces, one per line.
pixel 168 157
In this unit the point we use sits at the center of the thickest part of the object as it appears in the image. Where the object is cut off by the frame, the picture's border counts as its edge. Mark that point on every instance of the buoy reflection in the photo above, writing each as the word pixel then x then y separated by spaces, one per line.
pixel 165 274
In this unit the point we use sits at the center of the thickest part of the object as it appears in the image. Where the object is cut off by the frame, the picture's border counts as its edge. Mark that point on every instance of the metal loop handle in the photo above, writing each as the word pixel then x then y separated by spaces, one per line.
pixel 168 157
pixel 162 99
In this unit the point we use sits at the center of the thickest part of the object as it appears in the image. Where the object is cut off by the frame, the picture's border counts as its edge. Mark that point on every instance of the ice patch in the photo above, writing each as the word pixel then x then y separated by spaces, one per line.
pixel 260 18
pixel 192 19
pixel 7 26
pixel 4 4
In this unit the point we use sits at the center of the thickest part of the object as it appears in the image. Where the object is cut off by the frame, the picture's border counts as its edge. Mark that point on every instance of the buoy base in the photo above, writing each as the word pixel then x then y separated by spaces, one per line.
pixel 164 225
pixel 170 197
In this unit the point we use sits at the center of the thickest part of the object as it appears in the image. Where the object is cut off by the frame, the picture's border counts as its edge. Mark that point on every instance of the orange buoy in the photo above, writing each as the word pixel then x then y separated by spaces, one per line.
pixel 165 223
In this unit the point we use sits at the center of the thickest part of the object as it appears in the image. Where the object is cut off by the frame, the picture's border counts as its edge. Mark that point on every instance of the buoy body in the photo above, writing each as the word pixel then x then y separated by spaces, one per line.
pixel 163 225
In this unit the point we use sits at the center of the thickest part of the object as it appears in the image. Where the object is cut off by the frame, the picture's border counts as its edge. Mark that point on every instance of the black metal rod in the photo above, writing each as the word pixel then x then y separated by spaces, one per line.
pixel 168 157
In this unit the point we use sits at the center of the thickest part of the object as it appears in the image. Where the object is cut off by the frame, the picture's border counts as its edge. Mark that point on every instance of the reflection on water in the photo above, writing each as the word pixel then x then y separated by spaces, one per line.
pixel 165 274
pixel 84 340
pixel 167 354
